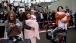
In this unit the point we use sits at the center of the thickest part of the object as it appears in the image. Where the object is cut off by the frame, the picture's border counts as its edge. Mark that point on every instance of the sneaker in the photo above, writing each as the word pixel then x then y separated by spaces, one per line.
pixel 71 26
pixel 74 26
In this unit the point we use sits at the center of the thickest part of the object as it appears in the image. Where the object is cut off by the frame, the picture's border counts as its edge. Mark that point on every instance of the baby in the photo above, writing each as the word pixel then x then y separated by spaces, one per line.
pixel 63 19
pixel 33 17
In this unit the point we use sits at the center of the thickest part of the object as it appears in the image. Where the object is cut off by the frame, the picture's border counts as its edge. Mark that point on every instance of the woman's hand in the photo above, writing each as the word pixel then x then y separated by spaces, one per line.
pixel 65 21
pixel 12 25
pixel 32 29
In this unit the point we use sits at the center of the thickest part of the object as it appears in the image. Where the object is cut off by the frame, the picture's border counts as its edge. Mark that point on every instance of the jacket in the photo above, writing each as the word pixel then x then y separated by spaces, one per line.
pixel 26 26
pixel 58 17
pixel 15 30
pixel 62 19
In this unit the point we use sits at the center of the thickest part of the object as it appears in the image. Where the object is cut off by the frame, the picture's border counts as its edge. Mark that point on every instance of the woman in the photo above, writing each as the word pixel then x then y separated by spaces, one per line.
pixel 13 29
pixel 5 13
pixel 31 29
pixel 45 14
pixel 62 19
pixel 21 16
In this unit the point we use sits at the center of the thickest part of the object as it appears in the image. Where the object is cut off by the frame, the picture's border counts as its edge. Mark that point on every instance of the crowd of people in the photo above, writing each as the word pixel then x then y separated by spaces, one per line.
pixel 15 22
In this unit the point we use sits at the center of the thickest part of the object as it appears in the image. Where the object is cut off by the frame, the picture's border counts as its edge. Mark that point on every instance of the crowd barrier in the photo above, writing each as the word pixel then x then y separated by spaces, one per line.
pixel 47 23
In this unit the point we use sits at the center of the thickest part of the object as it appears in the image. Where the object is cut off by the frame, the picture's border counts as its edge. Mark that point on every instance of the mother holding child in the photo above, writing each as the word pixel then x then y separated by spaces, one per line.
pixel 31 29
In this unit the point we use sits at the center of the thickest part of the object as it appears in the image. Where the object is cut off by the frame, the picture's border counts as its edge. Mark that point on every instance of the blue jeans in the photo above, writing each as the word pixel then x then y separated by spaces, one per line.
pixel 11 41
pixel 28 41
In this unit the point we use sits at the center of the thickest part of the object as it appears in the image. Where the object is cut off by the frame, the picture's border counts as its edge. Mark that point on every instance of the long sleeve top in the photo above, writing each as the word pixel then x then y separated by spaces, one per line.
pixel 26 26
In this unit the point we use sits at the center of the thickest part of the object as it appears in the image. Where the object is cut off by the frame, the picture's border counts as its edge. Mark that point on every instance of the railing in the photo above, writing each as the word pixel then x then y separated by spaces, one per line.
pixel 47 24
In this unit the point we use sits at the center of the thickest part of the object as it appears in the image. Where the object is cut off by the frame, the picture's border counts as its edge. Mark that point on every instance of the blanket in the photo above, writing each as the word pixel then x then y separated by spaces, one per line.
pixel 32 33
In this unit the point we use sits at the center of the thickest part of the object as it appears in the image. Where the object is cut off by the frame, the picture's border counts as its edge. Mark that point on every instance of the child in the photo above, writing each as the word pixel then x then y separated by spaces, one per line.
pixel 33 17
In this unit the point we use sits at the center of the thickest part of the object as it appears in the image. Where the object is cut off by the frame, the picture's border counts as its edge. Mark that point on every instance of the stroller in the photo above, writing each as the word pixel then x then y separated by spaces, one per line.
pixel 56 35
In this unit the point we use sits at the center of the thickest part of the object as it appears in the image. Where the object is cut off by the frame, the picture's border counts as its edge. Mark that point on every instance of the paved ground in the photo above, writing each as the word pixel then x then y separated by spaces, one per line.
pixel 71 37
